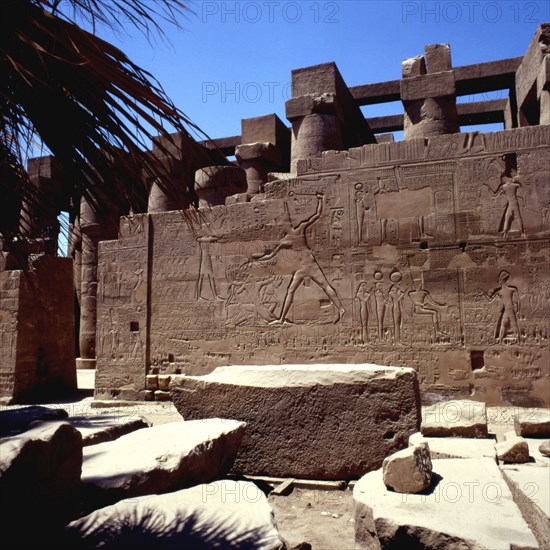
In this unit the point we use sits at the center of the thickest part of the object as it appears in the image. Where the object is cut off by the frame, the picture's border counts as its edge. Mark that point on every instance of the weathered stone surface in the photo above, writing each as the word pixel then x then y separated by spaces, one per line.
pixel 408 470
pixel 456 447
pixel 544 448
pixel 39 481
pixel 214 184
pixel 432 249
pixel 37 331
pixel 534 445
pixel 308 421
pixel 513 450
pixel 15 421
pixel 222 514
pixel 101 428
pixel 460 418
pixel 438 58
pixel 532 422
pixel 159 459
pixel 530 486
pixel 470 507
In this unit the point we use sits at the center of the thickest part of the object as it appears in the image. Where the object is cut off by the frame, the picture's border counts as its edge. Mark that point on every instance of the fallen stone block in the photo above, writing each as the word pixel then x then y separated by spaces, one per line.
pixel 534 445
pixel 223 514
pixel 106 427
pixel 469 506
pixel 544 448
pixel 16 421
pixel 530 486
pixel 308 421
pixel 460 418
pixel 159 459
pixel 408 470
pixel 532 422
pixel 514 450
pixel 39 482
pixel 456 447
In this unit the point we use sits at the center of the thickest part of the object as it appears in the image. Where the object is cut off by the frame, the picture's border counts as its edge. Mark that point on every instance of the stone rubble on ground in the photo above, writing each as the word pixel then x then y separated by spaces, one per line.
pixel 467 495
pixel 513 450
pixel 459 418
pixel 532 422
pixel 456 447
pixel 39 480
pixel 159 459
pixel 408 470
pixel 224 514
pixel 354 415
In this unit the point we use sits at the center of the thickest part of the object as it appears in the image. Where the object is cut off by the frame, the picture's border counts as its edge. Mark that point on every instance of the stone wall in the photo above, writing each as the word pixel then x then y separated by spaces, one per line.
pixel 37 330
pixel 428 253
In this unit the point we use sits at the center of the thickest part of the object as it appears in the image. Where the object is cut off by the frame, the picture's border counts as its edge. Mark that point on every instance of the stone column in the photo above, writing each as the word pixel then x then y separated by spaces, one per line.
pixel 324 114
pixel 214 184
pixel 428 94
pixel 90 231
pixel 38 220
pixel 257 160
pixel 316 126
pixel 265 147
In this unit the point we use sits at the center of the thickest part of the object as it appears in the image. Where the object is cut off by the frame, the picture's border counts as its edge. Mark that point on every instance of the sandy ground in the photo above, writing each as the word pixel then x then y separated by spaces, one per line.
pixel 322 518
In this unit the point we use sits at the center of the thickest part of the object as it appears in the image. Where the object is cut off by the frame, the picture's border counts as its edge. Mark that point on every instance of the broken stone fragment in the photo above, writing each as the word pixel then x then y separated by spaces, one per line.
pixel 532 422
pixel 544 448
pixel 39 481
pixel 513 450
pixel 159 459
pixel 222 514
pixel 353 415
pixel 461 418
pixel 409 470
pixel 470 508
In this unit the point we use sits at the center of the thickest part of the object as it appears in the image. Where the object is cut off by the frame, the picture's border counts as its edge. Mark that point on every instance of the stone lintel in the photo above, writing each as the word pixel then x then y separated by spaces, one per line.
pixel 261 151
pixel 265 128
pixel 431 85
pixel 309 104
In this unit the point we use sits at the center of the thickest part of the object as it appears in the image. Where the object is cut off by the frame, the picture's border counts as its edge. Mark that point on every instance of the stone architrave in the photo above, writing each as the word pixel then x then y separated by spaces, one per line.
pixel 408 470
pixel 461 418
pixel 308 421
pixel 221 514
pixel 470 507
pixel 159 459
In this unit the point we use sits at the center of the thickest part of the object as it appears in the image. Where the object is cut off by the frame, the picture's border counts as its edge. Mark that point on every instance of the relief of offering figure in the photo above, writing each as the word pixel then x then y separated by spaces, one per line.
pixel 205 268
pixel 381 302
pixel 396 295
pixel 363 295
pixel 300 255
pixel 509 309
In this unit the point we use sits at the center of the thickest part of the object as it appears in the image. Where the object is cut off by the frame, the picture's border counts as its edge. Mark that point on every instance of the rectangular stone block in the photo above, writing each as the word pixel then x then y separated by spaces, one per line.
pixel 308 421
pixel 438 58
pixel 267 128
pixel 430 85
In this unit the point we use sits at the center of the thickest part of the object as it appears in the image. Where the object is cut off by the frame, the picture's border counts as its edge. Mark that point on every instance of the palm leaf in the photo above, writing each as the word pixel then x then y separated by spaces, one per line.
pixel 91 106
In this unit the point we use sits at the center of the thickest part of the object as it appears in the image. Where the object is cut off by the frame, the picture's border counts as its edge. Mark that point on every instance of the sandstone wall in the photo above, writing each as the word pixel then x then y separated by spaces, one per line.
pixel 428 253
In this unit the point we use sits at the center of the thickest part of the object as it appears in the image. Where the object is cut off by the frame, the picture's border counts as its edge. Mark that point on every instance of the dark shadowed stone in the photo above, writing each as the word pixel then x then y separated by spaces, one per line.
pixel 224 514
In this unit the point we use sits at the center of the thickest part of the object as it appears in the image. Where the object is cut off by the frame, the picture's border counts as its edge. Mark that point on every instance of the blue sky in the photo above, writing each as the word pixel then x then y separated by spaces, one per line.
pixel 232 60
